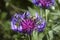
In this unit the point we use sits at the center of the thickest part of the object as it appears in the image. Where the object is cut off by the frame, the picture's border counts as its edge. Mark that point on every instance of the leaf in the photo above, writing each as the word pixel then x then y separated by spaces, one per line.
pixel 6 26
pixel 15 37
pixel 57 29
pixel 35 35
pixel 41 35
pixel 32 11
pixel 3 15
pixel 50 35
pixel 57 13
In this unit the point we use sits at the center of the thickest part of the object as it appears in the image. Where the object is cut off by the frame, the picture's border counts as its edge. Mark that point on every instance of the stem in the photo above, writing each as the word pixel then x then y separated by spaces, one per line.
pixel 46 15
pixel 29 37
pixel 41 12
pixel 46 11
pixel 16 8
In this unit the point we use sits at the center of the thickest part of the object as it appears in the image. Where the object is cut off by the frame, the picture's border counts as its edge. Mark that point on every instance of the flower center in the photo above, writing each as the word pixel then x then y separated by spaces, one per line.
pixel 28 24
pixel 44 2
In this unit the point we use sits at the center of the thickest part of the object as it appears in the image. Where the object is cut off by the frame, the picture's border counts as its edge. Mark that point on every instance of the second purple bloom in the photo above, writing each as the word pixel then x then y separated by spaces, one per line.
pixel 43 3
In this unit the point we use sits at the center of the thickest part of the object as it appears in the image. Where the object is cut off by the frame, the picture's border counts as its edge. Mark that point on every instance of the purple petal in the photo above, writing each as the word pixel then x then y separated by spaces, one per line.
pixel 28 14
pixel 16 15
pixel 43 3
pixel 36 15
pixel 20 28
pixel 13 27
pixel 41 23
pixel 34 1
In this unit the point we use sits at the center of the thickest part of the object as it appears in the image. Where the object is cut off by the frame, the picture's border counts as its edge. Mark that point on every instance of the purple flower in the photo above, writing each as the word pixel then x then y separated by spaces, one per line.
pixel 26 23
pixel 44 3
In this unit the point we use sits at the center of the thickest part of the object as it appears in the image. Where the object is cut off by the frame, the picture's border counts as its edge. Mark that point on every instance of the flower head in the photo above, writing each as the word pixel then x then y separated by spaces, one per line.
pixel 26 24
pixel 44 3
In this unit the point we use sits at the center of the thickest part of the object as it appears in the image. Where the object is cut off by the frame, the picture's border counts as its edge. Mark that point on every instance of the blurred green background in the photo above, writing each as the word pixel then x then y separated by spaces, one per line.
pixel 9 7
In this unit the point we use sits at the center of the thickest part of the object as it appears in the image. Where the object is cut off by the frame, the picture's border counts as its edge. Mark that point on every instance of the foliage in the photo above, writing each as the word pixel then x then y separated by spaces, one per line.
pixel 9 7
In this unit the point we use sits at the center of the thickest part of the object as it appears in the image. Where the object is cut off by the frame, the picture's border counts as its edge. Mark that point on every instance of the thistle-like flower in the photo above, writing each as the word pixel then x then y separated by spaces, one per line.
pixel 43 3
pixel 26 23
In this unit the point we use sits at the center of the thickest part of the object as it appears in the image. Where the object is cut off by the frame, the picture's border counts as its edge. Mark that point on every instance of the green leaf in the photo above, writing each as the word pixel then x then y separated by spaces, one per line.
pixel 3 15
pixel 6 25
pixel 32 11
pixel 57 13
pixel 15 37
pixel 57 29
pixel 35 35
pixel 41 35
pixel 50 35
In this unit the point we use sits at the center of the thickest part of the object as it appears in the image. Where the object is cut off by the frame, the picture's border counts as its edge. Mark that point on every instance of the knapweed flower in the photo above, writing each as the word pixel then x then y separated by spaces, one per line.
pixel 43 3
pixel 26 23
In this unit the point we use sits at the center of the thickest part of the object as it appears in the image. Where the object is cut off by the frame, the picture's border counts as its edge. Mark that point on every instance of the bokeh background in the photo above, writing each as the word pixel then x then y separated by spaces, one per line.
pixel 9 7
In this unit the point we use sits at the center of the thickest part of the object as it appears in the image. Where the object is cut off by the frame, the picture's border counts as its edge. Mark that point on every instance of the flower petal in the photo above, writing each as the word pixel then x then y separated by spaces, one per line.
pixel 20 28
pixel 43 3
pixel 13 27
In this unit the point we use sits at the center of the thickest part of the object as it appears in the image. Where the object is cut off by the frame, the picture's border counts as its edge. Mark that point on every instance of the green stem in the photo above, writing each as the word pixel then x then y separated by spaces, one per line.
pixel 46 11
pixel 41 12
pixel 46 15
pixel 28 37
